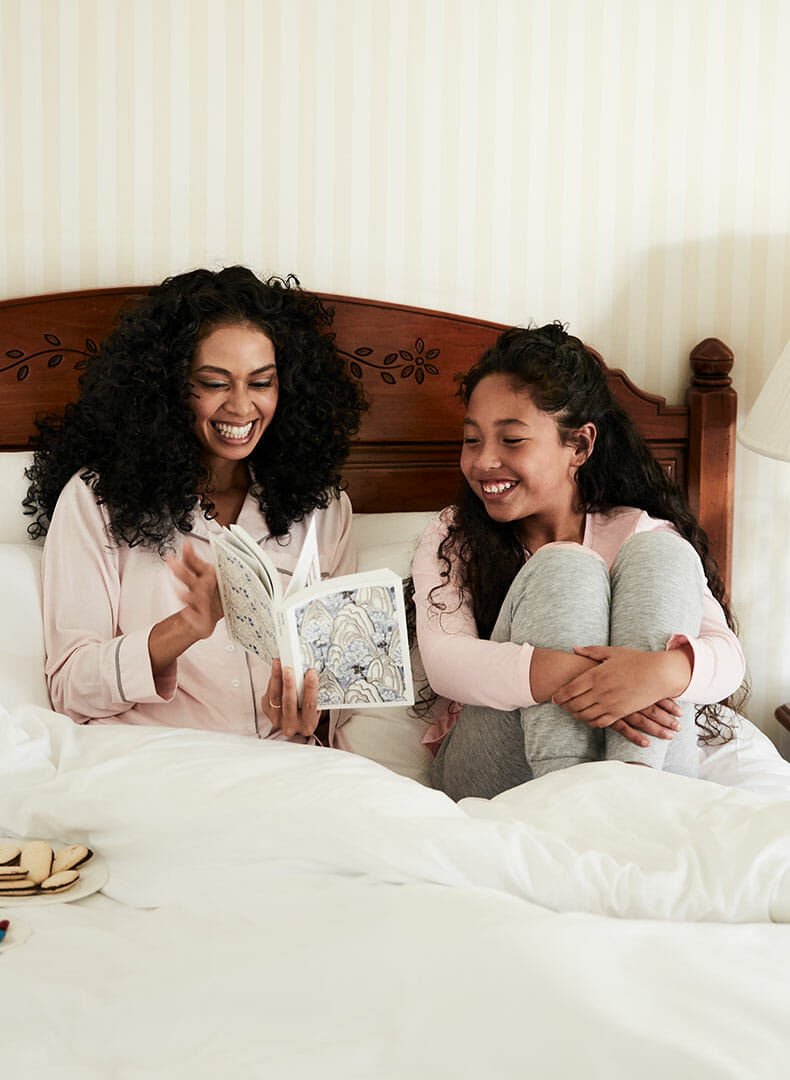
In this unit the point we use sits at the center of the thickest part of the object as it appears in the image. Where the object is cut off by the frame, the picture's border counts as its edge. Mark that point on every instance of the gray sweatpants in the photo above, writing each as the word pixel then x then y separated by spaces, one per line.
pixel 565 596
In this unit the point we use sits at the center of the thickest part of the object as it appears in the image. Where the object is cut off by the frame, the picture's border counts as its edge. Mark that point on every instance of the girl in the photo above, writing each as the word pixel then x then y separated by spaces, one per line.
pixel 568 598
pixel 219 398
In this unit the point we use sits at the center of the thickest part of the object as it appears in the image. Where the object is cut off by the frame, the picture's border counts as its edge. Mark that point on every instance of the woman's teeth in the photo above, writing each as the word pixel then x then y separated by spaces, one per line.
pixel 498 488
pixel 233 431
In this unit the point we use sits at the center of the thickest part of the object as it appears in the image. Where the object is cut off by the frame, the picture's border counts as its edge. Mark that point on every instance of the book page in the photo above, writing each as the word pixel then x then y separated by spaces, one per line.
pixel 353 632
pixel 307 570
pixel 248 607
pixel 255 557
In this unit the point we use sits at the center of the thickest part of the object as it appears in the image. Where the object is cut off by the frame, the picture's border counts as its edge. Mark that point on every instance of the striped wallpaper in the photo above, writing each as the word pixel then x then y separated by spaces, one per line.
pixel 621 164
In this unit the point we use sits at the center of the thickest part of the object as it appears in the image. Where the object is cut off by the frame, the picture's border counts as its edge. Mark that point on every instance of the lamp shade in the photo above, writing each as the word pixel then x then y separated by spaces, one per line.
pixel 767 427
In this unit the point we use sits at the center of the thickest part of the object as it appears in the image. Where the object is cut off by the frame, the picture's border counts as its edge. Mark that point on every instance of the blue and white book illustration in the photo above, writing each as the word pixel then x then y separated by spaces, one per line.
pixel 350 629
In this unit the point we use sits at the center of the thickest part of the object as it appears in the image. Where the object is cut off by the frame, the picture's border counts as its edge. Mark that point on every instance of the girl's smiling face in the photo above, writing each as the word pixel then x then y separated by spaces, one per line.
pixel 516 463
pixel 234 391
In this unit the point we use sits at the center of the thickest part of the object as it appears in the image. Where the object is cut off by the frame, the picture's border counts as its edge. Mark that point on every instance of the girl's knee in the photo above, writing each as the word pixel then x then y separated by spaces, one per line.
pixel 559 562
pixel 561 592
pixel 663 552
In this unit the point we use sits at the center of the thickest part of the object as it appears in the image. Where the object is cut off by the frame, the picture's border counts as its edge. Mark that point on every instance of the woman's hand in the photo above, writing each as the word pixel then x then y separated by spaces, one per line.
pixel 200 594
pixel 281 705
pixel 624 684
pixel 173 635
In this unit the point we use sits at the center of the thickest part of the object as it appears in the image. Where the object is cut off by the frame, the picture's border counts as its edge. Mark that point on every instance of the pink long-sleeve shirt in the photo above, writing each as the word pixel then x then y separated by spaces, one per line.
pixel 463 668
pixel 101 600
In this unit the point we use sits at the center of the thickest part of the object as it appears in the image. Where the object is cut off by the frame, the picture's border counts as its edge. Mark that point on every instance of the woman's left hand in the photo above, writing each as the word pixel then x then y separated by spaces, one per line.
pixel 623 682
pixel 281 704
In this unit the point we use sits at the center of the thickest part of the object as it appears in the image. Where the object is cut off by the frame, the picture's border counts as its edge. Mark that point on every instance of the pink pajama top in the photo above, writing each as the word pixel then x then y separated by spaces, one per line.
pixel 101 600
pixel 463 668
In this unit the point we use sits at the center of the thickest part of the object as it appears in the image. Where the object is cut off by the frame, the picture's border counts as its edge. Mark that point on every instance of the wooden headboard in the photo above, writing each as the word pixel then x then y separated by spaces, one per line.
pixel 406 454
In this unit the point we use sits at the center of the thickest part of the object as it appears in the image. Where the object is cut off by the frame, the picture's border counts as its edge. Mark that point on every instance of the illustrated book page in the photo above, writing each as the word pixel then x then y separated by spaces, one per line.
pixel 351 629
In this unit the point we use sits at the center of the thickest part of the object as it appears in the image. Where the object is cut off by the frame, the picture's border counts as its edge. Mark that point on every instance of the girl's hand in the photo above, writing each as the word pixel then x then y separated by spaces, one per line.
pixel 200 594
pixel 623 682
pixel 280 702
pixel 660 720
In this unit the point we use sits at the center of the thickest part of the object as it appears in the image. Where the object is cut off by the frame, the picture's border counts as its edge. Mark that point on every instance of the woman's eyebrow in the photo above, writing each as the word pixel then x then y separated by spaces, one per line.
pixel 224 371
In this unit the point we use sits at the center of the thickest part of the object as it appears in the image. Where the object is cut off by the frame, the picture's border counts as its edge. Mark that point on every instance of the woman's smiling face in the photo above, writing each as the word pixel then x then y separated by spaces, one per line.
pixel 514 459
pixel 234 390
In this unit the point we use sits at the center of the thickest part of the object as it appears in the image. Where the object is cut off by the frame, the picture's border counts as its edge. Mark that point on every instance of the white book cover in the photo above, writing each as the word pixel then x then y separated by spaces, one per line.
pixel 351 629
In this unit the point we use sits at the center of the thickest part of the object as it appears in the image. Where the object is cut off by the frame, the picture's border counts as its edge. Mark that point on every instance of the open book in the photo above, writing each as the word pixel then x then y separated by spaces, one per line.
pixel 351 629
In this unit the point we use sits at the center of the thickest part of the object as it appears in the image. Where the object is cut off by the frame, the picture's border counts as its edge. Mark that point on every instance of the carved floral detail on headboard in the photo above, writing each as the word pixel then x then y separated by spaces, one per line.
pixel 406 362
pixel 55 354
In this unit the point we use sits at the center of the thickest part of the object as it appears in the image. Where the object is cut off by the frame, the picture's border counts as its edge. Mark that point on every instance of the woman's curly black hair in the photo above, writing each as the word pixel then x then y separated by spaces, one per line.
pixel 131 432
pixel 568 381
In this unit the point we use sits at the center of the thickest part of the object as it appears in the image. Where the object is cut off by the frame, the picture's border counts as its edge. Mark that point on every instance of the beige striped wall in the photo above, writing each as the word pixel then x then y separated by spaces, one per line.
pixel 621 164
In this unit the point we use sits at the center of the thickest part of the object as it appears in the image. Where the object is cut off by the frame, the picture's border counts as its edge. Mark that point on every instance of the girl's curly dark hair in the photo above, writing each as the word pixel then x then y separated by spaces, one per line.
pixel 131 431
pixel 567 380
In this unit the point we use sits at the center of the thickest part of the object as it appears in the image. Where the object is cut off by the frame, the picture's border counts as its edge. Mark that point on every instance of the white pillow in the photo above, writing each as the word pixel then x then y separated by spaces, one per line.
pixel 21 637
pixel 388 539
pixel 749 760
pixel 391 737
pixel 13 488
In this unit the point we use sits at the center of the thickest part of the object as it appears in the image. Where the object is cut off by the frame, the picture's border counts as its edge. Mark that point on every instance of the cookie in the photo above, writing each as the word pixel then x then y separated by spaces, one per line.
pixel 59 882
pixel 9 853
pixel 36 858
pixel 18 887
pixel 12 873
pixel 71 857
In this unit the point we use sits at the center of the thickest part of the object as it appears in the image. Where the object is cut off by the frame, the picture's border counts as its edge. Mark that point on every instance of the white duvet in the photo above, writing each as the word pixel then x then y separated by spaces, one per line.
pixel 288 911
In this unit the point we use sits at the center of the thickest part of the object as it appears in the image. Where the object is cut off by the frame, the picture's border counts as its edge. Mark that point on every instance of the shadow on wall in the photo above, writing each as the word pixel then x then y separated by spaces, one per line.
pixel 734 287
pixel 737 288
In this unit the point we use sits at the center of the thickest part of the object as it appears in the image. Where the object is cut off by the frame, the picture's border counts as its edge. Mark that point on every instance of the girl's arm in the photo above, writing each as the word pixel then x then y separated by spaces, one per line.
pixel 462 667
pixel 458 664
pixel 623 682
pixel 703 670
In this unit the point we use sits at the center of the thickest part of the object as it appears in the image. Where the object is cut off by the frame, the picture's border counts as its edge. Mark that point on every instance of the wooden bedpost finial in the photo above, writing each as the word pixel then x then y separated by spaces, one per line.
pixel 712 408
pixel 711 363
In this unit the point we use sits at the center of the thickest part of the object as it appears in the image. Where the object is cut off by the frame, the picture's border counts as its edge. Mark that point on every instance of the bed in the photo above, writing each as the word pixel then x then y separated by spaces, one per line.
pixel 269 909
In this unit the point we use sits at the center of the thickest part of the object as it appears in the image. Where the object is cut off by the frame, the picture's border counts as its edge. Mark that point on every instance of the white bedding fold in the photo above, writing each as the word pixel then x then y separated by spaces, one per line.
pixel 172 809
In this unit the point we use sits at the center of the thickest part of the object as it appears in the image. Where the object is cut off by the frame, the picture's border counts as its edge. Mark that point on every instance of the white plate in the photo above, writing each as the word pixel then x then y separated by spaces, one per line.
pixel 17 932
pixel 92 876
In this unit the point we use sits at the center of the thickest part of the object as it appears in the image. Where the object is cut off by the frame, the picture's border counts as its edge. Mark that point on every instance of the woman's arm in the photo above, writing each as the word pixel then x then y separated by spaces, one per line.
pixel 94 670
pixel 337 552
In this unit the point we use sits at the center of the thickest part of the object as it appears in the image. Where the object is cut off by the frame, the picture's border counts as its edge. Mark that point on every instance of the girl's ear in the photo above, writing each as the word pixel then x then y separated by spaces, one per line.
pixel 584 441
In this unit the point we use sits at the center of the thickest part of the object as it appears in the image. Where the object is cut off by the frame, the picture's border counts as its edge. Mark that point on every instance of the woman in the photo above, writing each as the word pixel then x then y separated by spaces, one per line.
pixel 219 398
pixel 569 598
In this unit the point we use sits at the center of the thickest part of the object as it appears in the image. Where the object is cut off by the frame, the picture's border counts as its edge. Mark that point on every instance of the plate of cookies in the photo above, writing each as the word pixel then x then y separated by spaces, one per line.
pixel 47 872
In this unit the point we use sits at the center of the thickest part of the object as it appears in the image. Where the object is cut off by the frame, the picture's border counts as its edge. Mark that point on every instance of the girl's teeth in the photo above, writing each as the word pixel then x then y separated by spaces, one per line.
pixel 497 489
pixel 233 431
